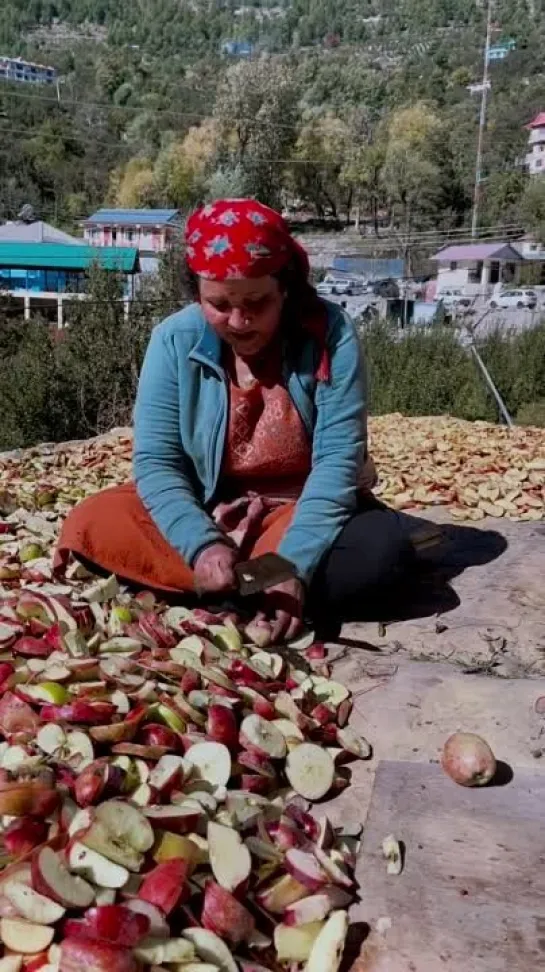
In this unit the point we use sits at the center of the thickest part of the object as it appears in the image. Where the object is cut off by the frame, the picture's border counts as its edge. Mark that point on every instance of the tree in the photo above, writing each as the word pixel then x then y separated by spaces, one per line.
pixel 323 146
pixel 255 112
pixel 532 207
pixel 132 185
pixel 182 167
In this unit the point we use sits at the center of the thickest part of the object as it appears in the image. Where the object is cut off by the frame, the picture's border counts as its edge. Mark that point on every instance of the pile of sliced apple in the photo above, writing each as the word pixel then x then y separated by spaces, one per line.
pixel 156 771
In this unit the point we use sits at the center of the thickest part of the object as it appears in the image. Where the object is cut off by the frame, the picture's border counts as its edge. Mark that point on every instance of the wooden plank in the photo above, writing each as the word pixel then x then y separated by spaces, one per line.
pixel 471 897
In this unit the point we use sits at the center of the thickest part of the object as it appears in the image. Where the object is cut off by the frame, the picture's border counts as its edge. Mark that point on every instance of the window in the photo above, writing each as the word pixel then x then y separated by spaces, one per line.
pixel 539 163
pixel 130 235
pixel 452 265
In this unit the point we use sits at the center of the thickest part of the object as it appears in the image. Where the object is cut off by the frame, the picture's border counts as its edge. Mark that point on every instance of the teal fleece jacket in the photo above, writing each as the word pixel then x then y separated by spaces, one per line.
pixel 181 420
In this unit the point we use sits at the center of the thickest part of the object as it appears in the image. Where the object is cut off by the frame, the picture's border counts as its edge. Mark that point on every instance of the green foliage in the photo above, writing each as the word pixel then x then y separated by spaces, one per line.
pixel 430 373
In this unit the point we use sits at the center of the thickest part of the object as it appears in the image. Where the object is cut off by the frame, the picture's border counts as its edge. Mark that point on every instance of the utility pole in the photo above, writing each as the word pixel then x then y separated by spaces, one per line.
pixel 482 123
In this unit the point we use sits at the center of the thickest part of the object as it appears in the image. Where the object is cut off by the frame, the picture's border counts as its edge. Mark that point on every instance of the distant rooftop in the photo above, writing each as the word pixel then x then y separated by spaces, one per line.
pixel 538 121
pixel 477 251
pixel 62 256
pixel 133 217
pixel 36 232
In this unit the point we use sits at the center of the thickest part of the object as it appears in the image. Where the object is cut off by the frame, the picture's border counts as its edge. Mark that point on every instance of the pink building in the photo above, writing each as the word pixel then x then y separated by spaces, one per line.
pixel 535 157
pixel 151 231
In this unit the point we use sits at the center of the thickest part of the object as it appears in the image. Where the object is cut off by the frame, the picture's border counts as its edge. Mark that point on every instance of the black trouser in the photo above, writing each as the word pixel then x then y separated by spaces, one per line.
pixel 364 562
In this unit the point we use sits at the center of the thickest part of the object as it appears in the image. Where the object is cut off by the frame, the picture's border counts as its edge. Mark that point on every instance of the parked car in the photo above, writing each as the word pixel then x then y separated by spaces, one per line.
pixel 452 300
pixel 346 287
pixel 514 298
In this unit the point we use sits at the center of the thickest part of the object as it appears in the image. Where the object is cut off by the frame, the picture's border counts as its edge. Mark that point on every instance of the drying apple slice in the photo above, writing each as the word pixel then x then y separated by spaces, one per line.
pixel 222 726
pixel 188 711
pixel 51 878
pixel 276 897
pixel 158 927
pixel 179 819
pixel 155 952
pixel 171 846
pixel 354 744
pixel 210 948
pixel 164 885
pixel 230 860
pixel 316 907
pixel 24 936
pixel 294 944
pixel 94 867
pixel 24 834
pixel 260 736
pixel 226 916
pixel 81 953
pixel 310 770
pixel 210 761
pixel 115 924
pixel 121 833
pixel 289 730
pixel 51 738
pixel 168 773
pixel 327 950
pixel 303 866
pixel 31 905
pixel 23 799
pixel 11 963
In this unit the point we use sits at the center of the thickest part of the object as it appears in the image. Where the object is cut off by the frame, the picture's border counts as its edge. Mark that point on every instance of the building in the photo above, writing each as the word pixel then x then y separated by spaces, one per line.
pixel 150 231
pixel 472 269
pixel 535 158
pixel 498 52
pixel 35 232
pixel 234 48
pixel 26 72
pixel 369 268
pixel 46 276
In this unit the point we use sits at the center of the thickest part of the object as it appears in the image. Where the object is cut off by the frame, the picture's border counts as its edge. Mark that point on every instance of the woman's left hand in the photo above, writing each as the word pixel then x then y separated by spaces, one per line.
pixel 283 607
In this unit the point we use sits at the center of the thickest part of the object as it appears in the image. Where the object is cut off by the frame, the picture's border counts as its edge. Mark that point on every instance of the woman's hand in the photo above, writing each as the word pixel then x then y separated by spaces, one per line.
pixel 283 607
pixel 213 570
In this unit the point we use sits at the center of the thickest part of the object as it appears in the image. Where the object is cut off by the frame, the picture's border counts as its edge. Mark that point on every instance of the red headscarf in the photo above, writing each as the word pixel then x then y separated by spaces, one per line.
pixel 241 238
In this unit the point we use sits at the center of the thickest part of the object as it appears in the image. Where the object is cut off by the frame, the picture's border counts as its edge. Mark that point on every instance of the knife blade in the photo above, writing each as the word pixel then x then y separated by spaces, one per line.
pixel 262 572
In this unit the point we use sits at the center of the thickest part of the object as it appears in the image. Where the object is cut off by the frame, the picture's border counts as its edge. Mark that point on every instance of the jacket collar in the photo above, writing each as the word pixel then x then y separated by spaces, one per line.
pixel 207 350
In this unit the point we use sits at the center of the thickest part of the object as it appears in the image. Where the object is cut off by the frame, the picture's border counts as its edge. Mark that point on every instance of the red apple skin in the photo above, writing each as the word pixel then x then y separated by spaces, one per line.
pixel 322 714
pixel 262 707
pixel 225 915
pixel 115 924
pixel 85 955
pixel 91 783
pixel 35 962
pixel 239 671
pixel 304 820
pixel 86 713
pixel 163 886
pixel 468 759
pixel 189 739
pixel 221 726
pixel 285 835
pixel 154 734
pixel 23 835
pixel 190 682
pixel 29 647
pixel 6 671
pixel 257 763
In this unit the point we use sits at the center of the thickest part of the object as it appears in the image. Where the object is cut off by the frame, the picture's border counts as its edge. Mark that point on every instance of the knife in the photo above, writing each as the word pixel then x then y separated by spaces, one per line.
pixel 262 572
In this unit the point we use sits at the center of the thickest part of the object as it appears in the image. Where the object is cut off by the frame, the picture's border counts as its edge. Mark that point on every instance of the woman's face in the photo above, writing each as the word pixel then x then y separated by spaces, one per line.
pixel 245 313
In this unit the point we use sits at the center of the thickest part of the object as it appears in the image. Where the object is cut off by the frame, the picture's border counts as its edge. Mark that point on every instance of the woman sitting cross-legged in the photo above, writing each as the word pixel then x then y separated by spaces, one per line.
pixel 249 437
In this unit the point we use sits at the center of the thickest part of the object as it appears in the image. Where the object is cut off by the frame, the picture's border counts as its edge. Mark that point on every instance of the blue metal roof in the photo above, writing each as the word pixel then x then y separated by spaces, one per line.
pixel 370 268
pixel 134 217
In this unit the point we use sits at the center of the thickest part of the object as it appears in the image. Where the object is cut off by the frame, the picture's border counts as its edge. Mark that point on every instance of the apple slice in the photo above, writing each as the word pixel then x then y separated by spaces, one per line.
pixel 11 963
pixel 294 944
pixel 51 878
pixel 261 736
pixel 328 947
pixel 354 744
pixel 121 833
pixel 164 885
pixel 80 953
pixel 230 859
pixel 193 967
pixel 168 773
pixel 24 936
pixel 154 951
pixel 303 866
pixel 24 834
pixel 276 897
pixel 115 924
pixel 316 907
pixel 158 927
pixel 226 916
pixel 31 905
pixel 188 711
pixel 289 730
pixel 51 739
pixel 94 867
pixel 310 770
pixel 222 726
pixel 105 896
pixel 210 761
pixel 22 799
pixel 179 819
pixel 210 948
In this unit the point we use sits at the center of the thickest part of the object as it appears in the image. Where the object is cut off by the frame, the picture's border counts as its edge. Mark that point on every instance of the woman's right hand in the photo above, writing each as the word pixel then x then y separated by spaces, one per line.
pixel 213 570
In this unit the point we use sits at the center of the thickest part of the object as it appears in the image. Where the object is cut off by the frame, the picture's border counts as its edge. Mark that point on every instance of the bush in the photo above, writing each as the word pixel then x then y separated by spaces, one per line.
pixel 532 414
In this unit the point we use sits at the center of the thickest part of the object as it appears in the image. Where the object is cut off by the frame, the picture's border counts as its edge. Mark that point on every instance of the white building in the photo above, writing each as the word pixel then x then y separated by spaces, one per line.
pixel 535 157
pixel 472 269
